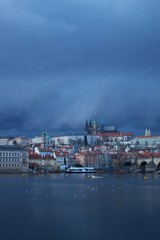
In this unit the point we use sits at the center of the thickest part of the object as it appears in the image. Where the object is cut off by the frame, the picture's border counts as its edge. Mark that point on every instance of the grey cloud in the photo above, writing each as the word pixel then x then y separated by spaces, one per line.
pixel 62 61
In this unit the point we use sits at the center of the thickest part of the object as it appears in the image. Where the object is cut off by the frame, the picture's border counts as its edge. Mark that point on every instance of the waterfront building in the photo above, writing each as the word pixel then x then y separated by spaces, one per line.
pixel 90 158
pixel 42 162
pixel 14 159
pixel 62 158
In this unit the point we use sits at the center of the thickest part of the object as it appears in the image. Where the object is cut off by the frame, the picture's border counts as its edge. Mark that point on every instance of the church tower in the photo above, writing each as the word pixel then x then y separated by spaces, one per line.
pixel 148 132
pixel 86 129
pixel 95 125
pixel 44 135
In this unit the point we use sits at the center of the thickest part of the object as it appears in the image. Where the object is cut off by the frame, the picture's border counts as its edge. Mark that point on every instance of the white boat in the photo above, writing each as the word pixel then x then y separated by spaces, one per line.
pixel 81 170
pixel 95 176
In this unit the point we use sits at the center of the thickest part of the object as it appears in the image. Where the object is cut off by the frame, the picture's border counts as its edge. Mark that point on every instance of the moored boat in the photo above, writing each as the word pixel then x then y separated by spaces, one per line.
pixel 96 176
pixel 81 170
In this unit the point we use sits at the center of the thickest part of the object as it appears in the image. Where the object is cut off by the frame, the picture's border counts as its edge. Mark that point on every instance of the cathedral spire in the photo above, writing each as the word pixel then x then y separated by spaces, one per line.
pixel 95 125
pixel 148 132
pixel 86 129
pixel 44 134
pixel 85 141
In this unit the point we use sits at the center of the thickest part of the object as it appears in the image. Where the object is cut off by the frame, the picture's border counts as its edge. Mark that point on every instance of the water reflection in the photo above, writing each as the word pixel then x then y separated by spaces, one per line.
pixel 118 206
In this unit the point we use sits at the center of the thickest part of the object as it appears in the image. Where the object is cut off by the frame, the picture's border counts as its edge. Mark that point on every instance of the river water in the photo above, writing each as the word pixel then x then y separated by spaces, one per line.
pixel 53 206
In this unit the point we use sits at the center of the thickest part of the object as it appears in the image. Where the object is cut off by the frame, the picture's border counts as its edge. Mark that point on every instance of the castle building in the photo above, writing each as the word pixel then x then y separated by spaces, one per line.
pixel 94 128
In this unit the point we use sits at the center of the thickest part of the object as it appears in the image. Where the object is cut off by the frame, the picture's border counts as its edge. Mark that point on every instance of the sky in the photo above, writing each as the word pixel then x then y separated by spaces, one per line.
pixel 62 61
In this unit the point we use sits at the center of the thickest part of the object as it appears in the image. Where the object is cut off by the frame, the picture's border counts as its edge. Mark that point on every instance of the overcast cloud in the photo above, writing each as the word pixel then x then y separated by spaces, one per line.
pixel 63 60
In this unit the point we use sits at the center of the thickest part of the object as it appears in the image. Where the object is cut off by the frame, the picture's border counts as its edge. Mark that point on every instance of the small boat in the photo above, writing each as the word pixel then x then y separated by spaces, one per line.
pixel 81 170
pixel 96 176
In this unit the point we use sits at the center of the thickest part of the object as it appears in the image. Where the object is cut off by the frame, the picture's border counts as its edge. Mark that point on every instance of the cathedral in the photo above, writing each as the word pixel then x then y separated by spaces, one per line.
pixel 94 128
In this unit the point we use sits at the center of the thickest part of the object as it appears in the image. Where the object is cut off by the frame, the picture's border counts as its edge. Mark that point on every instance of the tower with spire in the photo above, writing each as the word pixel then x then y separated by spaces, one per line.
pixel 148 132
pixel 95 125
pixel 92 128
pixel 86 128
pixel 44 135
pixel 46 140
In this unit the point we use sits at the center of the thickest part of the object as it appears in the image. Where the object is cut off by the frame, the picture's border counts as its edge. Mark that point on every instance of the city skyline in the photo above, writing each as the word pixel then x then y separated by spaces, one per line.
pixel 63 61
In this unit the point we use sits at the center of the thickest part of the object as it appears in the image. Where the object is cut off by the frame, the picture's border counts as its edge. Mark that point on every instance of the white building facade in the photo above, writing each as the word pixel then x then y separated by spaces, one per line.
pixel 14 159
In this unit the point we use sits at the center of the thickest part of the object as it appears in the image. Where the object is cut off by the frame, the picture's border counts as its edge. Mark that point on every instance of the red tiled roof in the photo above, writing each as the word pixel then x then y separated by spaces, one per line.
pixel 37 145
pixel 116 134
pixel 37 156
pixel 66 147
pixel 45 150
pixel 61 154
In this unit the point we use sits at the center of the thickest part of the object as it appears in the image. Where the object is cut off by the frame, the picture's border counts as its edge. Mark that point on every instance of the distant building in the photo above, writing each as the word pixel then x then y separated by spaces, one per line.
pixel 14 141
pixel 6 141
pixel 21 141
pixel 148 132
pixel 62 158
pixel 94 128
pixel 68 139
pixel 45 140
pixel 116 136
pixel 14 159
pixel 146 141
pixel 36 140
pixel 43 151
pixel 91 158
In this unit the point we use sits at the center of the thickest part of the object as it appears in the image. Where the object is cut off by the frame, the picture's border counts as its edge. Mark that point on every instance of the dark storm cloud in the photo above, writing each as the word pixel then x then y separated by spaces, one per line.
pixel 61 61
